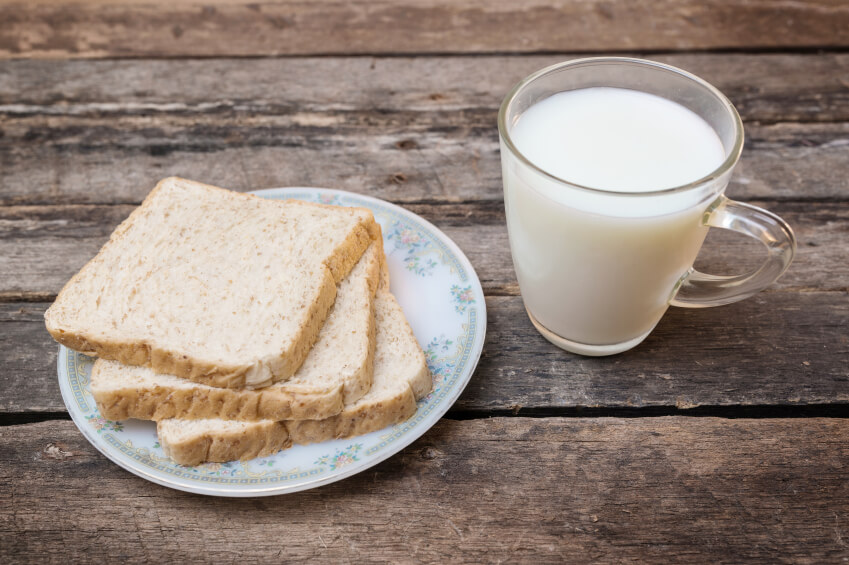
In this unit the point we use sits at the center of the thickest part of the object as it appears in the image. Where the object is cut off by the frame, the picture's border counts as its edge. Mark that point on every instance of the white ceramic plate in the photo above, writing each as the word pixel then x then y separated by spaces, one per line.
pixel 442 298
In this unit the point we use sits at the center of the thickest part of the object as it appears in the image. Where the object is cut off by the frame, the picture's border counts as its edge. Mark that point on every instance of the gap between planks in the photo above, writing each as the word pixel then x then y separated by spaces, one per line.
pixel 447 201
pixel 489 291
pixel 730 412
pixel 640 54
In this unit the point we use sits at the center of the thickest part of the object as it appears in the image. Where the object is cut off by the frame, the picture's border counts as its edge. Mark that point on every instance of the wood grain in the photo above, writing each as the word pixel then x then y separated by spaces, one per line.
pixel 764 87
pixel 700 490
pixel 108 28
pixel 407 157
pixel 410 129
pixel 86 134
pixel 787 349
pixel 45 245
pixel 781 349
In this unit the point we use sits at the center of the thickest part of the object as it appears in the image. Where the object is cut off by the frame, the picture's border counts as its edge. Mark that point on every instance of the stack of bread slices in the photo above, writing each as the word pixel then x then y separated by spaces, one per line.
pixel 242 325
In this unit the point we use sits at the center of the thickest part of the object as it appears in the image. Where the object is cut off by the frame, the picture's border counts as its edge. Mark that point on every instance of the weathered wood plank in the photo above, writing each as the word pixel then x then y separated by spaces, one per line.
pixel 45 245
pixel 399 156
pixel 788 349
pixel 95 132
pixel 775 348
pixel 29 361
pixel 700 490
pixel 108 28
pixel 764 87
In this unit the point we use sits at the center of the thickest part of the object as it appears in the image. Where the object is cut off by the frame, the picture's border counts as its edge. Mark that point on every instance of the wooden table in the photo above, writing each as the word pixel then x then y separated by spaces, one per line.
pixel 723 438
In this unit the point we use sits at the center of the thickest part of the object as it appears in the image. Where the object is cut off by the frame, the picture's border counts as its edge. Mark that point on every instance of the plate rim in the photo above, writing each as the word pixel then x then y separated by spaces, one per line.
pixel 410 437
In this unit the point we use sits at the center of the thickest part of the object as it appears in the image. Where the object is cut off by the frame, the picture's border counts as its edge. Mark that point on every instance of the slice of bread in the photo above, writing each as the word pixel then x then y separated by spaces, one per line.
pixel 337 371
pixel 401 377
pixel 221 288
pixel 191 442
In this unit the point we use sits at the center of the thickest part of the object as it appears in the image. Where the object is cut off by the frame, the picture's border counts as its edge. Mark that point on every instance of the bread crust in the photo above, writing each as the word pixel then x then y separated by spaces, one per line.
pixel 121 398
pixel 142 352
pixel 356 419
pixel 265 439
pixel 158 402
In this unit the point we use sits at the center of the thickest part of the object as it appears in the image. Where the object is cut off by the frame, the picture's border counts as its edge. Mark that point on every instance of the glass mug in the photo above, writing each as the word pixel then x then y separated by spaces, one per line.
pixel 597 269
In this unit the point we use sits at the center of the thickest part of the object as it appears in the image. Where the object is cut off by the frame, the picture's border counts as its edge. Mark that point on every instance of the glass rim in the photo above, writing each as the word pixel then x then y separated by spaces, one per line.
pixel 726 166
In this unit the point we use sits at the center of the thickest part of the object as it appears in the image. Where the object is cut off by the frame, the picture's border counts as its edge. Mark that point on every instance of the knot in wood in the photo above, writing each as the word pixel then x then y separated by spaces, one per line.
pixel 407 144
pixel 56 451
pixel 430 453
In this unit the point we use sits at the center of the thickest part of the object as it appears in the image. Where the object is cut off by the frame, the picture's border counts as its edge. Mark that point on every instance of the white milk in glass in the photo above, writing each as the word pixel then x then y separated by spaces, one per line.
pixel 594 267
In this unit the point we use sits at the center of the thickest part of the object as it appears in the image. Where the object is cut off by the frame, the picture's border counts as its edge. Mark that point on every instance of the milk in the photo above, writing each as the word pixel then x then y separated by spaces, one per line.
pixel 617 139
pixel 599 268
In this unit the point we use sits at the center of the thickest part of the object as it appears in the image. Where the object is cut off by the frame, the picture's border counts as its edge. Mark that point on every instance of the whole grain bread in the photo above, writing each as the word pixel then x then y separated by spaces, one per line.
pixel 217 287
pixel 338 370
pixel 401 377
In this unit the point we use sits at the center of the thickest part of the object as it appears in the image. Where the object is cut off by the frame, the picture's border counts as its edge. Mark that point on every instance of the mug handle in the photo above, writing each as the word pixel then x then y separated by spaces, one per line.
pixel 700 290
